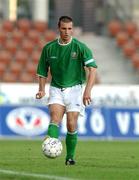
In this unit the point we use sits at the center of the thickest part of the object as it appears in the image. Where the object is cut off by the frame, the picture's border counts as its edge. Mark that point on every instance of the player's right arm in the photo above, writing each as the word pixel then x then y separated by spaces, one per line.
pixel 42 72
pixel 41 91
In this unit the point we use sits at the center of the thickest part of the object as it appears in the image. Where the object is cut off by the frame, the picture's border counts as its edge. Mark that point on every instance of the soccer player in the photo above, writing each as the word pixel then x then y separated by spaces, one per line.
pixel 66 57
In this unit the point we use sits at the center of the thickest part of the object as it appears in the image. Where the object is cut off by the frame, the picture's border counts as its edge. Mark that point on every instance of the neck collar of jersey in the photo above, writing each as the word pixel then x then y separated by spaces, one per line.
pixel 64 44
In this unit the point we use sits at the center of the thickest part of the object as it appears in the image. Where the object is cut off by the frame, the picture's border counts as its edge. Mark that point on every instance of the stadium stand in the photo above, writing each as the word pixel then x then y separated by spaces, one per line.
pixel 40 26
pixel 2 38
pixel 27 78
pixel 21 57
pixel 121 38
pixel 15 68
pixel 17 36
pixel 24 25
pixel 7 26
pixel 135 60
pixel 27 45
pixel 2 69
pixel 114 27
pixel 21 43
pixel 10 46
pixel 5 57
pixel 9 77
pixel 126 36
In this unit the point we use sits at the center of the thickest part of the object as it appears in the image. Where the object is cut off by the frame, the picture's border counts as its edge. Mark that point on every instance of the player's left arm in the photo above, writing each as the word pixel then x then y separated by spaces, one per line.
pixel 89 85
pixel 91 66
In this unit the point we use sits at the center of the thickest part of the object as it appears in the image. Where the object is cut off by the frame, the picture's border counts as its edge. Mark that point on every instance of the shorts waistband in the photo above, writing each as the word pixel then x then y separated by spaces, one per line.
pixel 64 88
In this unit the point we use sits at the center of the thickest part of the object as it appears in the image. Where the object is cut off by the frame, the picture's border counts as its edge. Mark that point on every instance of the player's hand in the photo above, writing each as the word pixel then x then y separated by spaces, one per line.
pixel 40 94
pixel 87 98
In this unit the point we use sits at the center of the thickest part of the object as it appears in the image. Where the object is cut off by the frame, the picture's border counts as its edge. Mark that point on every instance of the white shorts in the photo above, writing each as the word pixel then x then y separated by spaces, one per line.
pixel 70 97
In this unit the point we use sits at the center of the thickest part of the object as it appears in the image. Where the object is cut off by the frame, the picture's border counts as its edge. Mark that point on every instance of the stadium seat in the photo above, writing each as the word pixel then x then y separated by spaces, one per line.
pixel 135 60
pixel 27 46
pixel 114 27
pixel 130 28
pixel 24 25
pixel 15 68
pixel 121 38
pixel 9 77
pixel 136 38
pixel 8 26
pixel 2 68
pixel 26 78
pixel 31 68
pixel 49 35
pixel 34 36
pixel 21 57
pixel 129 49
pixel 40 26
pixel 11 46
pixel 17 36
pixel 2 38
pixel 35 57
pixel 41 44
pixel 5 57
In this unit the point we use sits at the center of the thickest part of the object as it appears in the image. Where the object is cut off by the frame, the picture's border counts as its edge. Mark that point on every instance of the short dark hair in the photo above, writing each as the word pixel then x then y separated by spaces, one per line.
pixel 65 19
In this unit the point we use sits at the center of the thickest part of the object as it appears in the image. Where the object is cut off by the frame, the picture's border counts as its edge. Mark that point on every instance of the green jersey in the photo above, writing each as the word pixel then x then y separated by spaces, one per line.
pixel 66 62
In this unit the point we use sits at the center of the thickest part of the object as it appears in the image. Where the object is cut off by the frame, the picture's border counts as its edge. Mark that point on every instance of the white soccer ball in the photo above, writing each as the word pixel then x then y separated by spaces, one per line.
pixel 52 147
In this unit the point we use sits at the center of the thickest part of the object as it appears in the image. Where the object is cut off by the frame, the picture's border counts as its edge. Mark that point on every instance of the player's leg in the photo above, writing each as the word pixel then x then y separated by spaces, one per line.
pixel 73 108
pixel 71 137
pixel 56 114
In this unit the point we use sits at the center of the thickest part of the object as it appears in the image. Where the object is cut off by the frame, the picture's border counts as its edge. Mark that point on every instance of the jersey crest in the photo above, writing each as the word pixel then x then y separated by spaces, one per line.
pixel 74 55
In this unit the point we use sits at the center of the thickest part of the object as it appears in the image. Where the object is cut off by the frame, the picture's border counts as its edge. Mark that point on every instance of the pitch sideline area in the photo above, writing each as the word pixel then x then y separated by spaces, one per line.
pixel 33 175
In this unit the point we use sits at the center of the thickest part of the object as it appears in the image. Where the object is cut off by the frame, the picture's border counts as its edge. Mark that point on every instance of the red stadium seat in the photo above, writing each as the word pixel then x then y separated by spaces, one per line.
pixel 9 77
pixel 27 46
pixel 130 28
pixel 24 25
pixel 41 45
pixel 17 36
pixel 40 26
pixel 26 78
pixel 136 38
pixel 135 60
pixel 129 49
pixel 31 68
pixel 21 57
pixel 15 68
pixel 2 38
pixel 34 36
pixel 11 46
pixel 114 27
pixel 2 68
pixel 8 26
pixel 5 57
pixel 49 35
pixel 35 57
pixel 121 38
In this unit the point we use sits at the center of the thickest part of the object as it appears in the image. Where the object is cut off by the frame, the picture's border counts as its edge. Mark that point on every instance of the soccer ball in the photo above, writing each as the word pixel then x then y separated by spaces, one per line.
pixel 52 147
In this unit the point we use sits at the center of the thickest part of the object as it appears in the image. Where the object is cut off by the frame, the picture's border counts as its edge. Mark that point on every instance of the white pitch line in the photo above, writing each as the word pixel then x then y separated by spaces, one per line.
pixel 43 176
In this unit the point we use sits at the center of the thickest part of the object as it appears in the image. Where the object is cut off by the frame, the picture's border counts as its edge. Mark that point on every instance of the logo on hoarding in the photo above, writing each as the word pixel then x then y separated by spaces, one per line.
pixel 27 121
pixel 3 98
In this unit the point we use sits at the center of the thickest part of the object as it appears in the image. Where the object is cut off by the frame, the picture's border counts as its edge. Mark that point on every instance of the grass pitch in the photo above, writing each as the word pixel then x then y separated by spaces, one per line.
pixel 96 160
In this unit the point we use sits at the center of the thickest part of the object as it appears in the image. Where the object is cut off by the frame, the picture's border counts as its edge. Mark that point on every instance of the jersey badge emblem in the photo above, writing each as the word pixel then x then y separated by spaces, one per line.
pixel 74 55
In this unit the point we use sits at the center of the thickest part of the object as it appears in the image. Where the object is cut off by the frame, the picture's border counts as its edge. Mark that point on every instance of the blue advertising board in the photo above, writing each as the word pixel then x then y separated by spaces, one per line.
pixel 97 122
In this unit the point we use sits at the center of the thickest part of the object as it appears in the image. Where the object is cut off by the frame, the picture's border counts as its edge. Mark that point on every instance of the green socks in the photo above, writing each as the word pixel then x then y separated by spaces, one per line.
pixel 53 130
pixel 71 141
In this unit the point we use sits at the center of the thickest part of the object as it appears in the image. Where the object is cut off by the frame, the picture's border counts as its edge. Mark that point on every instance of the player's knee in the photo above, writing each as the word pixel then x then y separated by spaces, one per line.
pixel 71 126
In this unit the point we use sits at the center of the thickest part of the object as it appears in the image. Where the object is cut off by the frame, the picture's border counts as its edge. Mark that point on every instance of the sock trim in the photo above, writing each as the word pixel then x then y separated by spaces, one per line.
pixel 54 124
pixel 72 133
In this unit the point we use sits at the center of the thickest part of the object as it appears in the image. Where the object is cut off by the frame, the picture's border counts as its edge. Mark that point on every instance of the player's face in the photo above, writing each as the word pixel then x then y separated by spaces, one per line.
pixel 66 30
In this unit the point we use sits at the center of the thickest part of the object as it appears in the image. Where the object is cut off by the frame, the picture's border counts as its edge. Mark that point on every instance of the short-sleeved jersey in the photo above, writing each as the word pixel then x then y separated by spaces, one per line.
pixel 66 62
